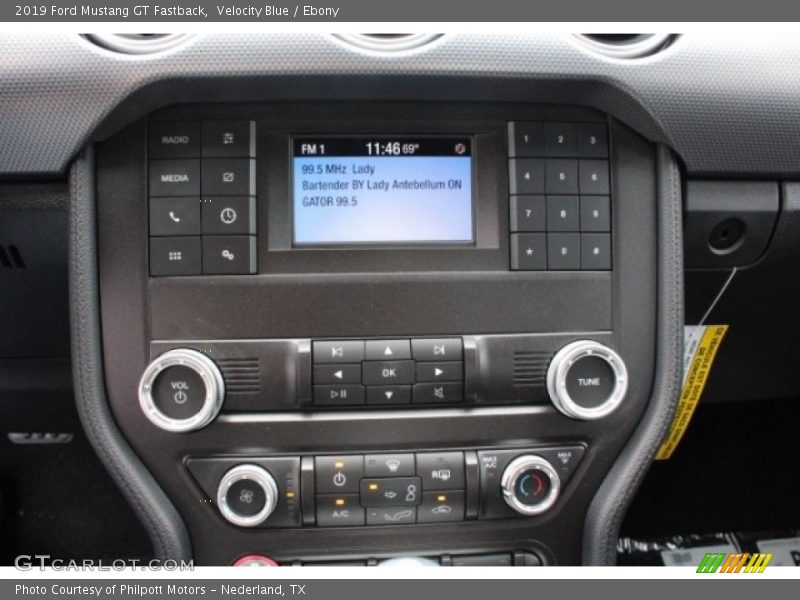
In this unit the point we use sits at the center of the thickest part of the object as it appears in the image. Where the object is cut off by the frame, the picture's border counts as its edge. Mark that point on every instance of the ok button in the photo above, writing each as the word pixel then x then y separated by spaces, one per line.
pixel 390 372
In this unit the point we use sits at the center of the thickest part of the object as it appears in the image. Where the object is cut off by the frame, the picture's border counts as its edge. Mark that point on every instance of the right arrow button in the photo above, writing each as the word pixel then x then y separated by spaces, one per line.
pixel 431 372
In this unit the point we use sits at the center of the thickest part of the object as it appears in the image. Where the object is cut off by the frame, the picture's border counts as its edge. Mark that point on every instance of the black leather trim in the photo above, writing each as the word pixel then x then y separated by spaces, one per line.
pixel 163 523
pixel 611 501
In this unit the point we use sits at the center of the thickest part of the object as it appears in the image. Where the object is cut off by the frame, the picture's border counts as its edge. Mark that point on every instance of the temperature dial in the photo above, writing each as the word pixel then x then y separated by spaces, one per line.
pixel 530 485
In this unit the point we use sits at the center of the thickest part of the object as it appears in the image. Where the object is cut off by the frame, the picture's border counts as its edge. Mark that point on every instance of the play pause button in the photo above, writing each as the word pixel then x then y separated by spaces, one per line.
pixel 389 394
pixel 338 395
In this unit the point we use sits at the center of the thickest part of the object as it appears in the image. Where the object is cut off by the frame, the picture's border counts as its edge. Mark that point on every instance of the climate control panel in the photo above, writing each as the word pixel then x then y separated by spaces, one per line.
pixel 403 488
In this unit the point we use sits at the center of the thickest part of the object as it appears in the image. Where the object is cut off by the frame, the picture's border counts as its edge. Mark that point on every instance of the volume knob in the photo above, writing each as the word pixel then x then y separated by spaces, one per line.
pixel 181 390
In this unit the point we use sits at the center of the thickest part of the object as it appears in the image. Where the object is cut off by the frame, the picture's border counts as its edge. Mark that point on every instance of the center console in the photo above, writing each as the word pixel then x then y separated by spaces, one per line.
pixel 346 332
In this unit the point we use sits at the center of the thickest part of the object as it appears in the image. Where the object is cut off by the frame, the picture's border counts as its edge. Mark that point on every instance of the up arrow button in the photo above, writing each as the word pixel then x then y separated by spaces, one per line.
pixel 383 349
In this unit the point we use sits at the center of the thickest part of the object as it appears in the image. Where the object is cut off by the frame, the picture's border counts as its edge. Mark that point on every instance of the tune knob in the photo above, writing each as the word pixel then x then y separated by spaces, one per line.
pixel 181 390
pixel 587 380
pixel 247 495
pixel 530 485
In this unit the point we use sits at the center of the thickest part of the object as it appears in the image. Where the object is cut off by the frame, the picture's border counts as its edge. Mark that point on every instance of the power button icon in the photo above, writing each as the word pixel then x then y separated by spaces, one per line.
pixel 339 479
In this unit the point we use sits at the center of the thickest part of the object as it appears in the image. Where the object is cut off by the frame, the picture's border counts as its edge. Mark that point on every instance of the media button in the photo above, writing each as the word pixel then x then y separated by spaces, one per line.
pixel 229 215
pixel 395 372
pixel 175 177
pixel 338 474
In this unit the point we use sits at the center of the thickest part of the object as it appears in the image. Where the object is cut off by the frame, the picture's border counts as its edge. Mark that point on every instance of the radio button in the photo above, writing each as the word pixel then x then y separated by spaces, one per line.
pixel 441 470
pixel 439 349
pixel 389 465
pixel 229 215
pixel 559 139
pixel 526 176
pixel 431 372
pixel 525 138
pixel 440 507
pixel 338 395
pixel 336 374
pixel 173 139
pixel 174 216
pixel 392 491
pixel 338 474
pixel 398 372
pixel 349 351
pixel 562 213
pixel 175 177
pixel 592 140
pixel 388 350
pixel 438 393
pixel 339 511
pixel 389 394
pixel 561 176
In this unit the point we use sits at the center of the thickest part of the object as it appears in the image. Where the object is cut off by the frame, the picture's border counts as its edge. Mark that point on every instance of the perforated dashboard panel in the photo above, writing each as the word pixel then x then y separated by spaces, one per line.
pixel 726 104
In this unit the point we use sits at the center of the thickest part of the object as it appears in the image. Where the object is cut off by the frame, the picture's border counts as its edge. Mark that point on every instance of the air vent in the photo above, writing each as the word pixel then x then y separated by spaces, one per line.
pixel 626 45
pixel 10 258
pixel 388 42
pixel 530 368
pixel 241 375
pixel 138 43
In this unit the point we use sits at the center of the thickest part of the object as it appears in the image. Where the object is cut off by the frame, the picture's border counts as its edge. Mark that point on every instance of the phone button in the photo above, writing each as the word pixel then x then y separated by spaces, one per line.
pixel 174 216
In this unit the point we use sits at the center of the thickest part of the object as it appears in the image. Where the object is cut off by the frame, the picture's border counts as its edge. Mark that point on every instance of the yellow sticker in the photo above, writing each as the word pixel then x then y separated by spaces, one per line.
pixel 701 343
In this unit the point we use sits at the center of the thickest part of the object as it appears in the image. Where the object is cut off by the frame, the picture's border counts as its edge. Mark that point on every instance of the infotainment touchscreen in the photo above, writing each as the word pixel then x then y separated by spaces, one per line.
pixel 382 190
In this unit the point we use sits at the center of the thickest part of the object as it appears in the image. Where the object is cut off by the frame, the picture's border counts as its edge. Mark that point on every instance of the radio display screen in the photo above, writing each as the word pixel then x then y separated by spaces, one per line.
pixel 382 190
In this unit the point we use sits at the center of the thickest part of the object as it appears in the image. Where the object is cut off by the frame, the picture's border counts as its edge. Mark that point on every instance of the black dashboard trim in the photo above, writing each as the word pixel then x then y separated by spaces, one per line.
pixel 164 525
pixel 612 499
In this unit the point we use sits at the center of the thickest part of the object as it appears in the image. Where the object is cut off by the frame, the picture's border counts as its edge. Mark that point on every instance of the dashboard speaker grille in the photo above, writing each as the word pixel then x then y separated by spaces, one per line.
pixel 530 367
pixel 241 375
